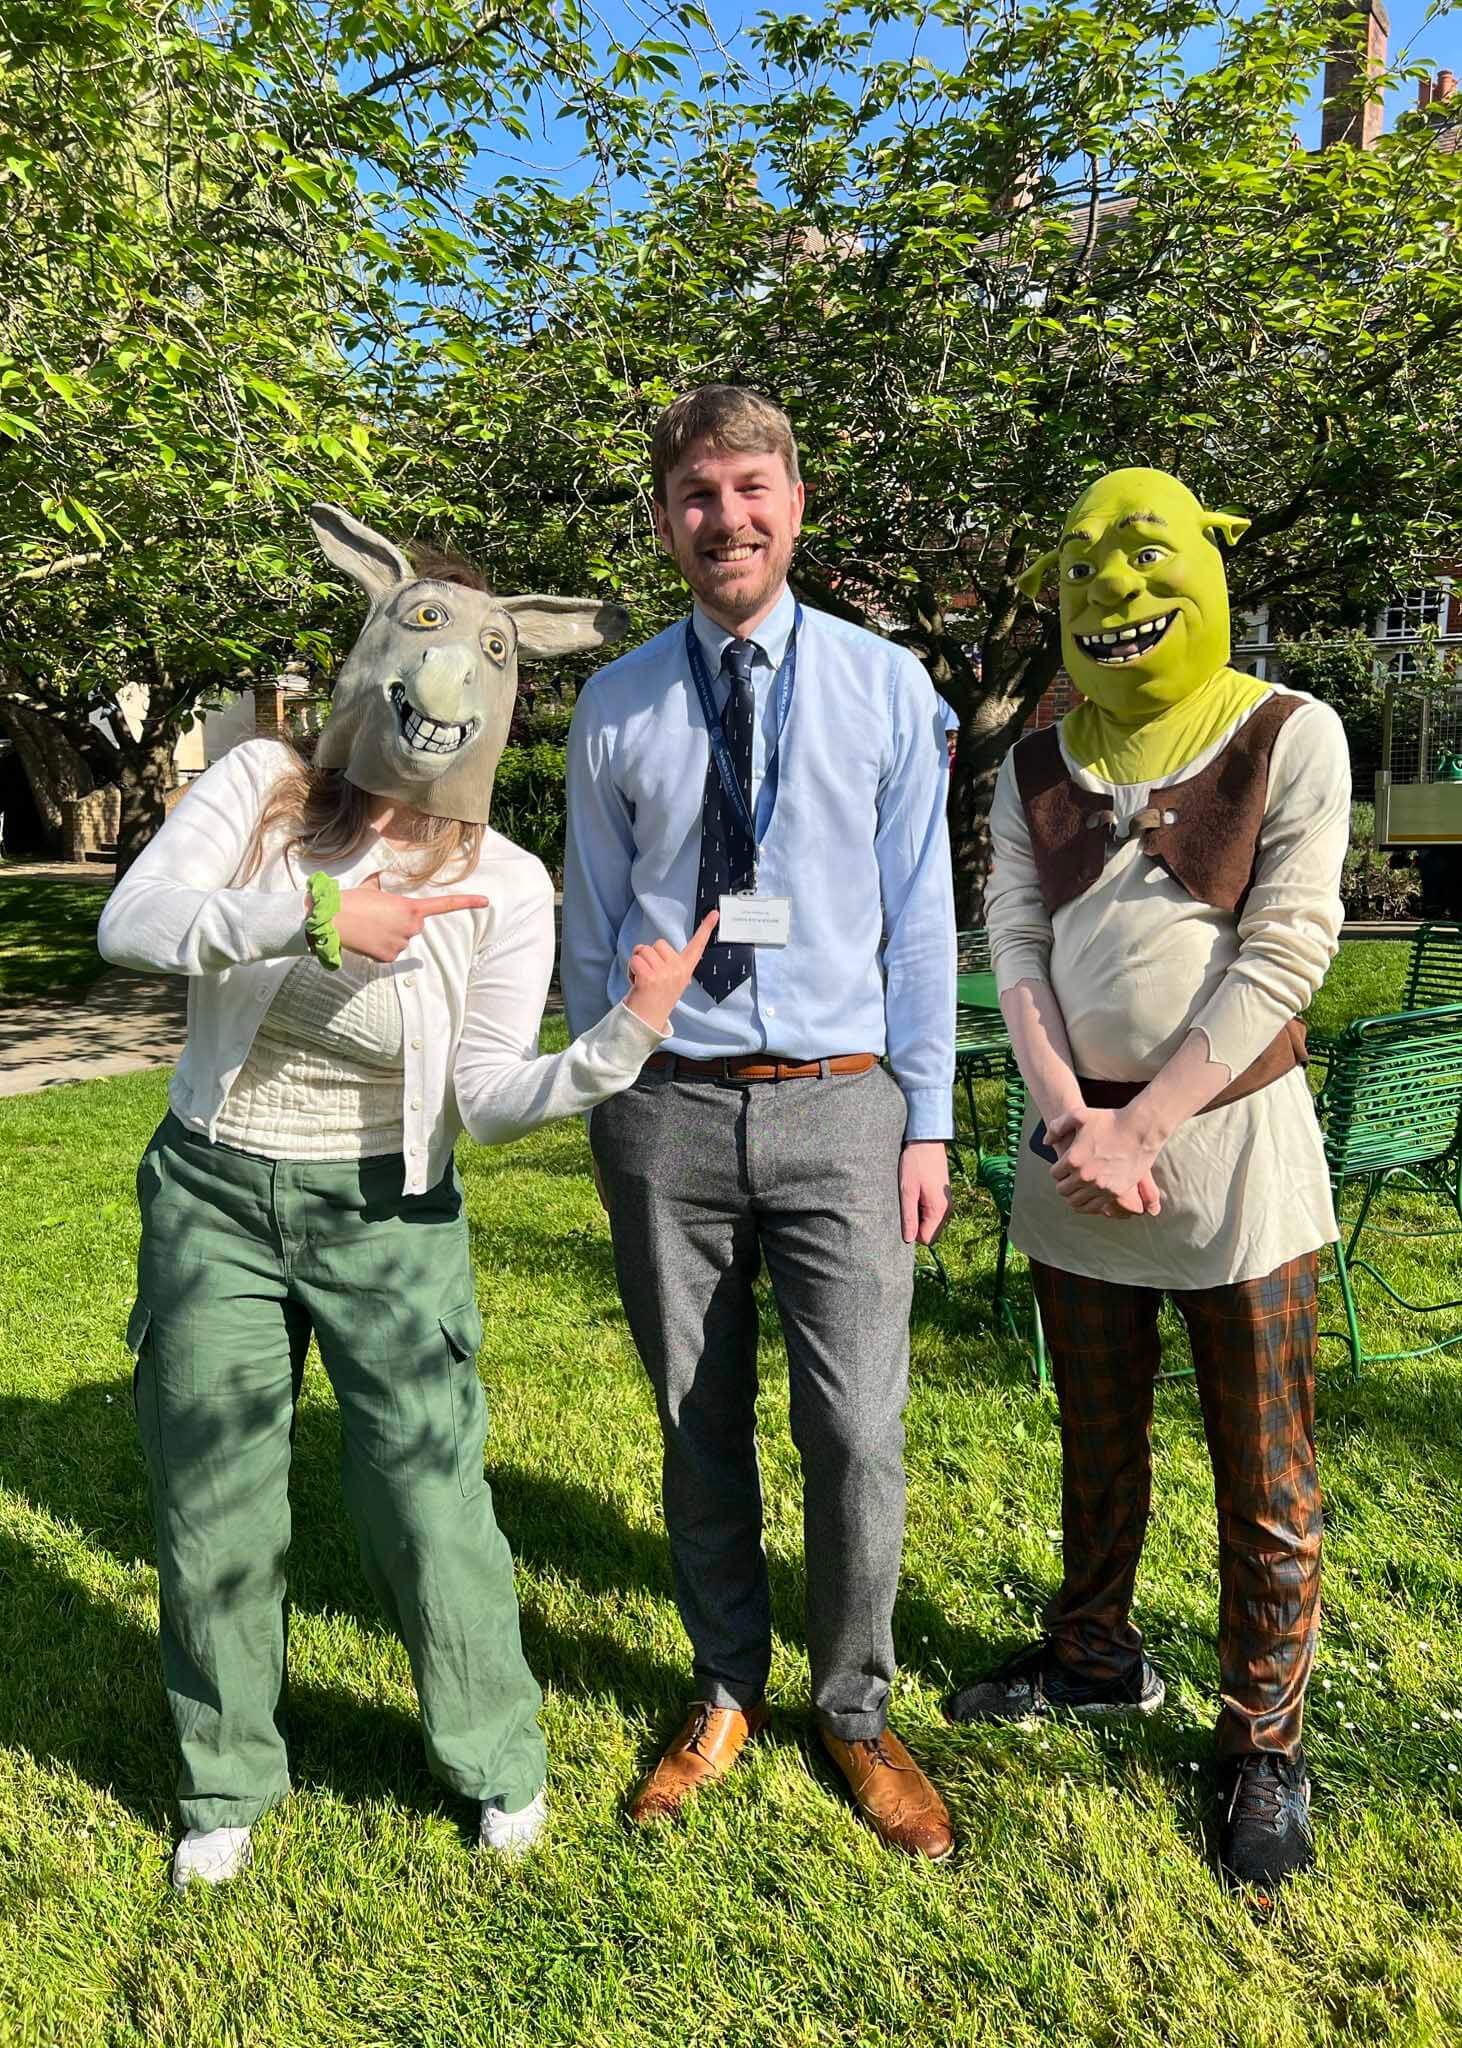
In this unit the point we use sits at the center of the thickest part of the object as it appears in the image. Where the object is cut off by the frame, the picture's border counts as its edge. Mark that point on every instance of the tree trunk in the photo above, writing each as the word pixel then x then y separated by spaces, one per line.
pixel 989 729
pixel 145 775
pixel 52 765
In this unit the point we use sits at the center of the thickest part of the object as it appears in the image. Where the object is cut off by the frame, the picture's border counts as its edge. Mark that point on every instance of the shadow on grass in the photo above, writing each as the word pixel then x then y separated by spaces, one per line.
pixel 48 935
pixel 72 1657
pixel 83 1683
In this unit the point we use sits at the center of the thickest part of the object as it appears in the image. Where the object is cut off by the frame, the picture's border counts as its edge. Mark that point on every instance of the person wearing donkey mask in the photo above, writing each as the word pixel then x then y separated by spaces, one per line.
pixel 1164 901
pixel 367 962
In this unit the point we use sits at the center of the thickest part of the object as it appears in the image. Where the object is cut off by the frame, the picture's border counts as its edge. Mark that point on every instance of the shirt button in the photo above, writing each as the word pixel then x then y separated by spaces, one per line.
pixel 409 982
pixel 416 1102
pixel 417 1150
pixel 416 1045
pixel 770 1008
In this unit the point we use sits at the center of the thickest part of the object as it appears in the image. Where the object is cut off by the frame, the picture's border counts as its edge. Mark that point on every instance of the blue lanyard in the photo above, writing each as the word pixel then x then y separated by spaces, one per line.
pixel 783 683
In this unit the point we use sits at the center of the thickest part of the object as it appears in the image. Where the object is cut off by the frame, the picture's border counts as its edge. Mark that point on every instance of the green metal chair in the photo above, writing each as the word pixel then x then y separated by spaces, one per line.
pixel 1393 1114
pixel 1433 976
pixel 995 1173
pixel 981 1041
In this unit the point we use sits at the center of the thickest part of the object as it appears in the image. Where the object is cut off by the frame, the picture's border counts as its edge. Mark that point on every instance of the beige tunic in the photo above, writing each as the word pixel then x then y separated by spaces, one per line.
pixel 1136 965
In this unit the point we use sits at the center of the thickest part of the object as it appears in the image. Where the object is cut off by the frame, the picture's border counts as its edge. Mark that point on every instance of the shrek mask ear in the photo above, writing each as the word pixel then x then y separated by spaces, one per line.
pixel 1031 581
pixel 1226 526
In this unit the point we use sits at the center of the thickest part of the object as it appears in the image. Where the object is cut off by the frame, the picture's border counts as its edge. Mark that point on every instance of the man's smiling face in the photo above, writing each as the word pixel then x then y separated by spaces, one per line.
pixel 1144 599
pixel 731 519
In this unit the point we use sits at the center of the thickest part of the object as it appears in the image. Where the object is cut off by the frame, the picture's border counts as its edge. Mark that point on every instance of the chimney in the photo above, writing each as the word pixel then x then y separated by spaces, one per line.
pixel 1423 95
pixel 1346 117
pixel 1445 86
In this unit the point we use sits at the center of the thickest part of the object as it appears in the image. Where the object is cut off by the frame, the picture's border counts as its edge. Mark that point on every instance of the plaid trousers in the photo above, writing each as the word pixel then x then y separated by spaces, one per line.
pixel 1254 1352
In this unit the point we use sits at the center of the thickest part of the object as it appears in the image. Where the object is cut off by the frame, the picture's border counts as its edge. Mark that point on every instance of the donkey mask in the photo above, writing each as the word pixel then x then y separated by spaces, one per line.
pixel 422 703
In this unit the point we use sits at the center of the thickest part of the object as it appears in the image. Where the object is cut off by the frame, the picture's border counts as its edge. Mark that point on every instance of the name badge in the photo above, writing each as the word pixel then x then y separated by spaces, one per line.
pixel 755 920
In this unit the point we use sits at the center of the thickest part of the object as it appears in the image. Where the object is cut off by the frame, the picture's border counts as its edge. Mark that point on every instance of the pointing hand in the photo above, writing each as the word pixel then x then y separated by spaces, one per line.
pixel 659 976
pixel 374 922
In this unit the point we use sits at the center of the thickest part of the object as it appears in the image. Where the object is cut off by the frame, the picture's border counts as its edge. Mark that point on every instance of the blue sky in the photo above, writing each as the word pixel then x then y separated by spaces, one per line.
pixel 1418 31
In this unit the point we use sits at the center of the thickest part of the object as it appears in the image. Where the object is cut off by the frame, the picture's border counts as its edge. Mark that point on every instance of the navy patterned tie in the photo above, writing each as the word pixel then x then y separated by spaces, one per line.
pixel 727 855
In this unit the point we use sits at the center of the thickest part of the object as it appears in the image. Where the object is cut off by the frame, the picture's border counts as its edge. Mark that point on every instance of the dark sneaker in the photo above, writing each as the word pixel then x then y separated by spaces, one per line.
pixel 1264 1833
pixel 1035 1682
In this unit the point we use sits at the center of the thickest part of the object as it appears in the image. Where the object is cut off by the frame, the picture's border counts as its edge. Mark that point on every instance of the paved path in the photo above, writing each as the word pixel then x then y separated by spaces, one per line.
pixel 123 1023
pixel 59 870
pixel 126 1022
pixel 130 1021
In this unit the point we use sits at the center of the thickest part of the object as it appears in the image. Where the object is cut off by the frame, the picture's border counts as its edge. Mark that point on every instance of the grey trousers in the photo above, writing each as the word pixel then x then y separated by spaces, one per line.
pixel 704 1180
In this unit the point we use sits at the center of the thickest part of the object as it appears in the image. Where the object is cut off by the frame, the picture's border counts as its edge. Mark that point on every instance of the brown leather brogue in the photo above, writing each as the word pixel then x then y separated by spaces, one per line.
pixel 704 1750
pixel 893 1795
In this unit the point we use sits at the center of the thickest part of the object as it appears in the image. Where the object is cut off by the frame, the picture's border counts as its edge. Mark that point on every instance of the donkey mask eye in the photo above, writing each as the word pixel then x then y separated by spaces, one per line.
pixel 428 615
pixel 495 645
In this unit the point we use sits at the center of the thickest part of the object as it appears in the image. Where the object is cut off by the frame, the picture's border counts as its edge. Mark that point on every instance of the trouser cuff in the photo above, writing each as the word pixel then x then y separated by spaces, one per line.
pixel 720 1692
pixel 864 1727
pixel 207 1814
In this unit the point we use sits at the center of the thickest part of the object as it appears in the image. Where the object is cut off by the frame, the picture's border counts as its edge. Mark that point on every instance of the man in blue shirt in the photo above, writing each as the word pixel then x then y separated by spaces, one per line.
pixel 788 771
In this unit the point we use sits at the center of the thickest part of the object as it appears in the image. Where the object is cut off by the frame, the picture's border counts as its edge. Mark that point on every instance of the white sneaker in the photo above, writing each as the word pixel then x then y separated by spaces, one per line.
pixel 512 1834
pixel 212 1857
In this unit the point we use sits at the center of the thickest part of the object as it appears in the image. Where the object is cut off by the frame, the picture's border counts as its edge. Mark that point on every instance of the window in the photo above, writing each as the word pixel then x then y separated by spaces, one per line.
pixel 1404 619
pixel 1250 654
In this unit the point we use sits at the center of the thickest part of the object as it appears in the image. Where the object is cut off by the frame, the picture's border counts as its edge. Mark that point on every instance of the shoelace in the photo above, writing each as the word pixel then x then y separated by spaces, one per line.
pixel 702 1723
pixel 877 1754
pixel 1025 1663
pixel 1257 1788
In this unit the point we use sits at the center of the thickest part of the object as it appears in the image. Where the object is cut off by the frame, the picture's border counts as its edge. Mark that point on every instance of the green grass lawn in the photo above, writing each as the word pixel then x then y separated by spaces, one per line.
pixel 1081 1907
pixel 48 936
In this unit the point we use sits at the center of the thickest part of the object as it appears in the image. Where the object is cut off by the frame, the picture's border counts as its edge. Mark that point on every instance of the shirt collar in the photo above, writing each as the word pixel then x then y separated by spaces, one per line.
pixel 770 637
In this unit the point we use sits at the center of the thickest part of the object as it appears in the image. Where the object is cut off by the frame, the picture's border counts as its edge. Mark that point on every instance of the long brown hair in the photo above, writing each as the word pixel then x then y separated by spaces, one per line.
pixel 324 816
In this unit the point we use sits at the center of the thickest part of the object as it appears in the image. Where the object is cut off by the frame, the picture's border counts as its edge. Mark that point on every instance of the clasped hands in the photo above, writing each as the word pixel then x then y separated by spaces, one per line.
pixel 1105 1163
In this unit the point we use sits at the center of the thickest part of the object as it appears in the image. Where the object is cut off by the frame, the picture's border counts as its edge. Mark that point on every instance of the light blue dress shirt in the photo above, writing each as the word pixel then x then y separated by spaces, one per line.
pixel 858 841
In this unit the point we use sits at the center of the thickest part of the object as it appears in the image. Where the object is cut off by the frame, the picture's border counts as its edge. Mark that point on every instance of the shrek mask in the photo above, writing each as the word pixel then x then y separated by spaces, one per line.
pixel 1145 623
pixel 421 705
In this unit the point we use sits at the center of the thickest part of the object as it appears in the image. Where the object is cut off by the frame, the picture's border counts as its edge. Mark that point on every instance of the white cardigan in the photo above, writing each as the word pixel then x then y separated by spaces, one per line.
pixel 471 986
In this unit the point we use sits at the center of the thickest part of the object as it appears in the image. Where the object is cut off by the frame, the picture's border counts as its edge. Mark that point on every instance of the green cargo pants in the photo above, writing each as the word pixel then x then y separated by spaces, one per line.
pixel 241 1258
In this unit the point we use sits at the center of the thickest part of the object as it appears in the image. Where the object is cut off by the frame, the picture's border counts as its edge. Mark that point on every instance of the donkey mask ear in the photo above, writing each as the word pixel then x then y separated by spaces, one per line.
pixel 374 562
pixel 1227 526
pixel 551 626
pixel 1032 580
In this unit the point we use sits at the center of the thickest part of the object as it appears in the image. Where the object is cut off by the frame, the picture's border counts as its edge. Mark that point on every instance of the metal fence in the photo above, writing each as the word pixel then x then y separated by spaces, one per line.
pixel 1423 733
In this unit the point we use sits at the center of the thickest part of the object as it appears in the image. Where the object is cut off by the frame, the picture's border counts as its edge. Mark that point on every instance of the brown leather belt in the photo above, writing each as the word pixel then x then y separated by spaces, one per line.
pixel 1290 1049
pixel 753 1067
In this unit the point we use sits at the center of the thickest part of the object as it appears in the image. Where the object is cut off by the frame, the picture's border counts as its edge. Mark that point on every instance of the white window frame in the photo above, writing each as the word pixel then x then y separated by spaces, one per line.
pixel 1408 615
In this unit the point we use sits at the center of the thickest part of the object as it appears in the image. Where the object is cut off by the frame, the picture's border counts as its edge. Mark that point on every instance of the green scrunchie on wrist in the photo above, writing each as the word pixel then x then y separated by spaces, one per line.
pixel 320 934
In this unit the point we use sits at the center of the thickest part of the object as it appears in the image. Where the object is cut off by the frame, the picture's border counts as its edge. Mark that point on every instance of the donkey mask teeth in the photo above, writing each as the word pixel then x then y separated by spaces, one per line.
pixel 427 735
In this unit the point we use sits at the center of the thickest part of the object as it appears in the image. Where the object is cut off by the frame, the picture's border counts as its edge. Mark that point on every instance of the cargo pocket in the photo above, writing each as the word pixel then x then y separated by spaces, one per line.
pixel 462 1328
pixel 144 1388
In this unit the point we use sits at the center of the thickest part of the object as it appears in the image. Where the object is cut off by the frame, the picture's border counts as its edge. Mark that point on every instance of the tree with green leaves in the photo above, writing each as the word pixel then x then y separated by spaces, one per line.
pixel 223 239
pixel 1036 242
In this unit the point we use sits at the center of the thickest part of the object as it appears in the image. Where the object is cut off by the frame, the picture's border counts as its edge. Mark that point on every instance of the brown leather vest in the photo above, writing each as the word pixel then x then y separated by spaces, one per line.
pixel 1205 832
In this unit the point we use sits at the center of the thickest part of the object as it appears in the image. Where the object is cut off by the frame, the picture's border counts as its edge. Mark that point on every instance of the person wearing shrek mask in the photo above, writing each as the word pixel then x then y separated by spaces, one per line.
pixel 1164 901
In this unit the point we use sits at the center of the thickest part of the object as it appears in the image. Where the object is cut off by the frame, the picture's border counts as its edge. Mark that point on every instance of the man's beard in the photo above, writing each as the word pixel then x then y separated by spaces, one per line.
pixel 744 596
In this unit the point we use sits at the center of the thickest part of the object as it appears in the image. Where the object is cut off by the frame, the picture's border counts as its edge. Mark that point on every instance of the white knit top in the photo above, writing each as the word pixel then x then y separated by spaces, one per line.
pixel 325 1073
